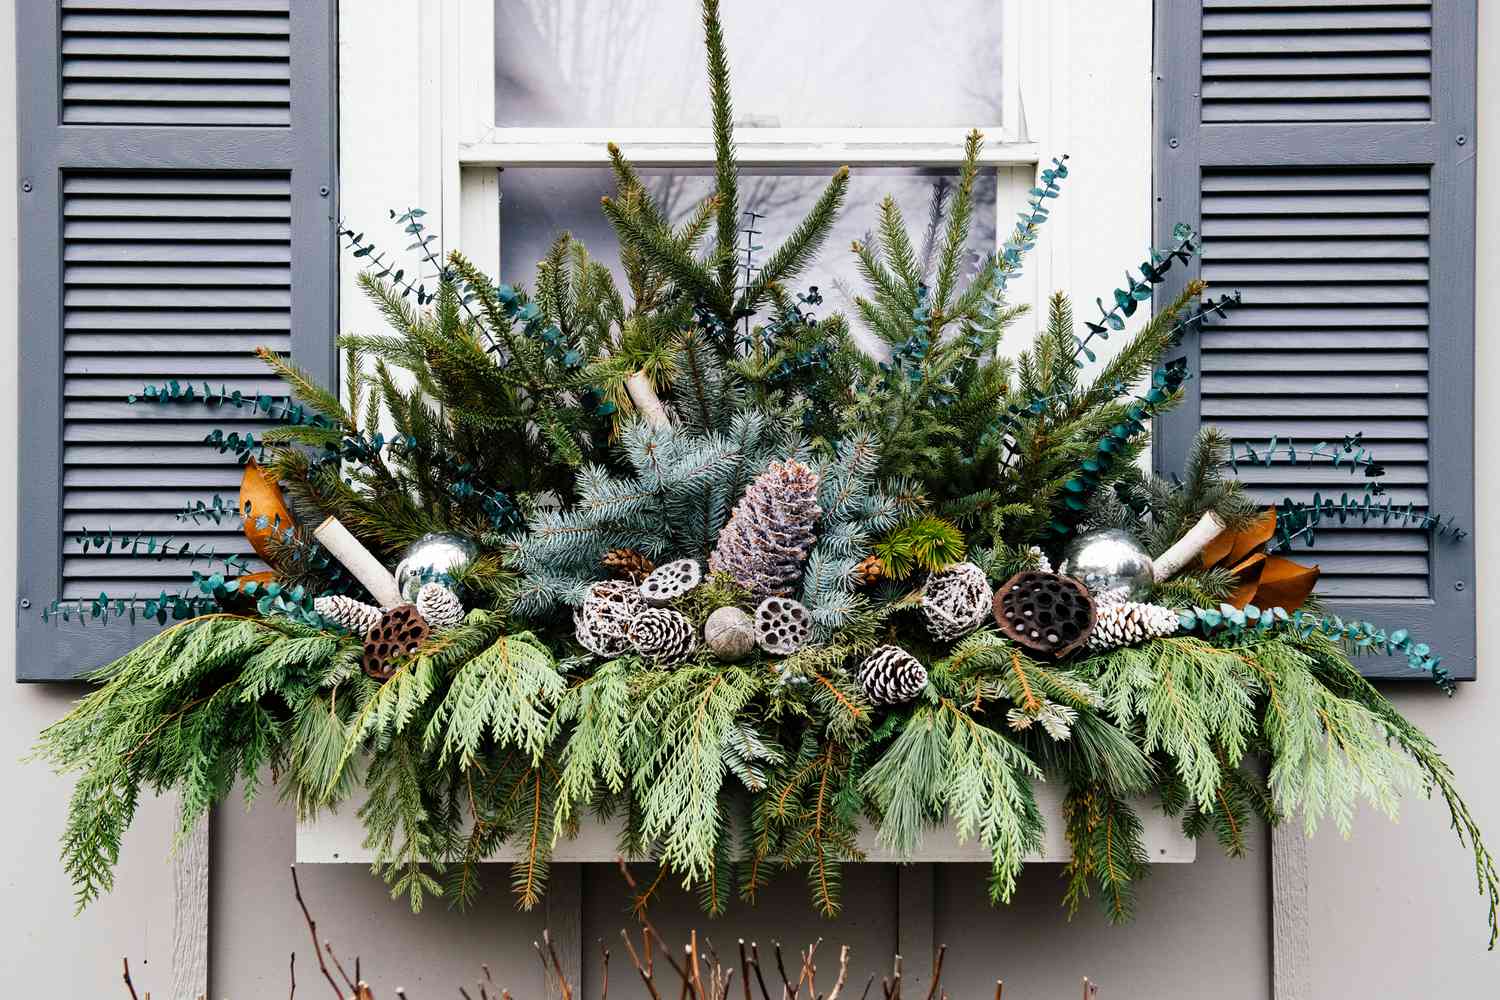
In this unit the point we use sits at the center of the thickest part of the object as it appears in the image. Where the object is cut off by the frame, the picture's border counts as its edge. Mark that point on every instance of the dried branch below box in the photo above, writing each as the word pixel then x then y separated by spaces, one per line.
pixel 699 975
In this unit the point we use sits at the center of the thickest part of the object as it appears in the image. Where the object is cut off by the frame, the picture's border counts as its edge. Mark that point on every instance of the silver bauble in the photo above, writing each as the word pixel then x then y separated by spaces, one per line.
pixel 434 558
pixel 1111 563
pixel 729 634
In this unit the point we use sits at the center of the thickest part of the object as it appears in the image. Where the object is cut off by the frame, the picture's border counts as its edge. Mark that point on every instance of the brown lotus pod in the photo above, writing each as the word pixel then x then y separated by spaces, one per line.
pixel 399 633
pixel 1047 613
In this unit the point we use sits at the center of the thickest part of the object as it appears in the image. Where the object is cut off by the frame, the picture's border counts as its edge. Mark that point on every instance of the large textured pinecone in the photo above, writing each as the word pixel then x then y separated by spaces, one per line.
pixel 771 531
pixel 663 635
pixel 628 564
pixel 347 613
pixel 1125 623
pixel 955 601
pixel 890 675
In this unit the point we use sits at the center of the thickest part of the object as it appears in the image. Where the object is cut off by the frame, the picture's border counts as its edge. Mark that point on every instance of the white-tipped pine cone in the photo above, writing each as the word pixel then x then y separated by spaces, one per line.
pixel 347 613
pixel 439 607
pixel 890 675
pixel 1125 623
pixel 663 635
pixel 956 600
pixel 771 531
pixel 602 622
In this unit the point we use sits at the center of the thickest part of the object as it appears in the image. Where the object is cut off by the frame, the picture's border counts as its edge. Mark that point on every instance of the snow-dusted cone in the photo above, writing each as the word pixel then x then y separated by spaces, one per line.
pixel 771 531
pixel 663 636
pixel 890 675
pixel 439 607
pixel 347 613
pixel 1126 623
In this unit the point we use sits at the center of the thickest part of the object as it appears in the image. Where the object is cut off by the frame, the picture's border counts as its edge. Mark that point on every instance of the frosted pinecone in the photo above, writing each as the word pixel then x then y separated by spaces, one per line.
pixel 1043 564
pixel 663 635
pixel 347 613
pixel 439 607
pixel 1125 623
pixel 890 675
pixel 771 531
pixel 602 621
pixel 956 600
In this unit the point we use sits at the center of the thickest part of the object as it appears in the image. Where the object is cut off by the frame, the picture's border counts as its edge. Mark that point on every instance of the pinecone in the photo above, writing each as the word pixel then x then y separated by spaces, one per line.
pixel 771 531
pixel 600 623
pixel 1126 623
pixel 890 675
pixel 347 613
pixel 871 569
pixel 439 607
pixel 628 564
pixel 663 635
pixel 955 601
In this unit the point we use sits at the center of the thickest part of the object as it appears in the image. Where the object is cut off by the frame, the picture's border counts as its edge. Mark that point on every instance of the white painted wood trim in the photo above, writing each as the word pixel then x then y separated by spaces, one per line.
pixel 1291 927
pixel 338 838
pixel 190 915
pixel 755 147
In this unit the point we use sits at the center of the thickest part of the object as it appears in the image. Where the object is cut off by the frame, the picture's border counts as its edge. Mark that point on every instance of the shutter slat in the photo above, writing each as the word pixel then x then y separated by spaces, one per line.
pixel 1316 62
pixel 175 63
pixel 159 306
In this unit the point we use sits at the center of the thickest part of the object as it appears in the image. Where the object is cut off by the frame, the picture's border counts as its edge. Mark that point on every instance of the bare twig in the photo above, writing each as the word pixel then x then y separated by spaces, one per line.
pixel 759 978
pixel 312 930
pixel 646 921
pixel 843 976
pixel 1089 989
pixel 128 984
pixel 999 988
pixel 340 966
pixel 646 975
pixel 291 971
pixel 868 983
pixel 937 971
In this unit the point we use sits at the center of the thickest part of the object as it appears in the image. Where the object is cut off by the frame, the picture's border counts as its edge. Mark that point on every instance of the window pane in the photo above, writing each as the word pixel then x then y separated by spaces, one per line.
pixel 794 63
pixel 538 203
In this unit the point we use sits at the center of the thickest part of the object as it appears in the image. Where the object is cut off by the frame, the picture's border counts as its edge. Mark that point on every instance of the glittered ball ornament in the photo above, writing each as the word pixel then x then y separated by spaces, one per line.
pixel 435 558
pixel 1111 564
pixel 729 634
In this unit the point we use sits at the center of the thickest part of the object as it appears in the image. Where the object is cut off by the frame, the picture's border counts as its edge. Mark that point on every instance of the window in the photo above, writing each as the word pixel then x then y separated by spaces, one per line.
pixel 891 93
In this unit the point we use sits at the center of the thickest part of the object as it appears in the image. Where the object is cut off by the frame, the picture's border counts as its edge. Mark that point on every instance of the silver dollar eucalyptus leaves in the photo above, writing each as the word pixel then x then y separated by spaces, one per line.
pixel 434 558
pixel 782 625
pixel 1111 563
pixel 672 580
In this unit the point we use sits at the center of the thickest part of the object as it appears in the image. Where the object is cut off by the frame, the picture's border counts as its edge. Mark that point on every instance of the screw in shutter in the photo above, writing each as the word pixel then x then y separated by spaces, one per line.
pixel 26 186
pixel 25 603
pixel 1458 585
pixel 1172 143
pixel 323 190
pixel 1462 139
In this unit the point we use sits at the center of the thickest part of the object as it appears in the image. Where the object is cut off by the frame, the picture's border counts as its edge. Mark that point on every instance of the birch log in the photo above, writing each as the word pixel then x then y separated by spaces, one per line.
pixel 359 561
pixel 638 387
pixel 1175 559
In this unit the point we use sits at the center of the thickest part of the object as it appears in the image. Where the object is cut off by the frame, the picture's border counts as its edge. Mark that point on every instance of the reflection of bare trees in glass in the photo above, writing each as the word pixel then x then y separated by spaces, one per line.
pixel 600 63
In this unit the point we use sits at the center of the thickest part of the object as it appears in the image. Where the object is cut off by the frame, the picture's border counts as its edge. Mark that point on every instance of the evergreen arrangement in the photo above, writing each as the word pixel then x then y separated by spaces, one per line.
pixel 680 554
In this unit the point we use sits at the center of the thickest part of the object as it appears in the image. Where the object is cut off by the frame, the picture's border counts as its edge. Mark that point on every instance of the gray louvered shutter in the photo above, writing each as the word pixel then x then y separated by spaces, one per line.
pixel 1324 149
pixel 177 210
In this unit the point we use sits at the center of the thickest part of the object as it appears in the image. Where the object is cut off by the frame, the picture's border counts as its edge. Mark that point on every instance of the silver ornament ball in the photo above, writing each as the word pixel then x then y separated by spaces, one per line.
pixel 434 558
pixel 1111 564
pixel 729 634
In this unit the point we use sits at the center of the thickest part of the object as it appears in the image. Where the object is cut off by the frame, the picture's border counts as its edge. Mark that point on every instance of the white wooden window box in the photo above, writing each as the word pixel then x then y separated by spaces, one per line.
pixel 339 839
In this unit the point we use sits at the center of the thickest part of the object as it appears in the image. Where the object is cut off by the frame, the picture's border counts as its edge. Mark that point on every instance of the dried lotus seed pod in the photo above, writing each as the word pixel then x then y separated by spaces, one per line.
pixel 670 581
pixel 782 625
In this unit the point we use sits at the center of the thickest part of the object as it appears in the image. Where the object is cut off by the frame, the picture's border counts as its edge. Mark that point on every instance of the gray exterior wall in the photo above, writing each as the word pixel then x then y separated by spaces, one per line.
pixel 1393 913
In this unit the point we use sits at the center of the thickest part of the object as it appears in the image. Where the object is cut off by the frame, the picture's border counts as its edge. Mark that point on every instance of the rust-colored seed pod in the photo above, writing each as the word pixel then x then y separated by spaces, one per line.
pixel 400 632
pixel 1047 613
